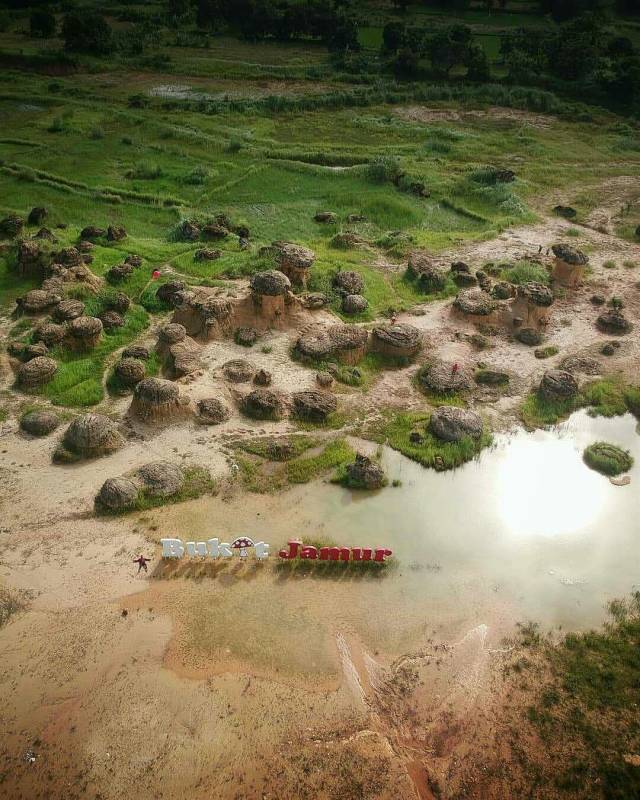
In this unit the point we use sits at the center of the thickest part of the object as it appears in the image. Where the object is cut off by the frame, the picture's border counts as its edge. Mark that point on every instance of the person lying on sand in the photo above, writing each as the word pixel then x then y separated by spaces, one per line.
pixel 142 562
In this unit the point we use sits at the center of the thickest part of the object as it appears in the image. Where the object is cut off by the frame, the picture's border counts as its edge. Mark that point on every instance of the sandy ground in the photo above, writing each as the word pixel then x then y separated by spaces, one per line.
pixel 103 676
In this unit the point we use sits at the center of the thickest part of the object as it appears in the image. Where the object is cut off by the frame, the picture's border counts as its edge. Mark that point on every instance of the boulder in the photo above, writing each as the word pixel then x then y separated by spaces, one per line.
pixel 263 404
pixel 116 233
pixel 214 232
pixel 354 304
pixel 529 336
pixel 37 215
pixel 398 340
pixel 558 384
pixel 49 333
pixel 503 290
pixel 565 211
pixel 613 321
pixel 36 372
pixel 33 259
pixel 324 379
pixel 111 320
pixel 292 259
pixel 570 255
pixel 474 302
pixel 452 424
pixel 270 282
pixel 246 336
pixel 130 371
pixel 491 377
pixel 212 411
pixel 172 334
pixel 69 257
pixel 119 302
pixel 484 281
pixel 39 423
pixel 156 400
pixel 327 217
pixel 206 254
pixel 203 314
pixel 347 240
pixel 315 300
pixel 119 273
pixel 134 260
pixel 68 310
pixel 262 378
pixel 117 494
pixel 349 343
pixel 610 348
pixel 598 299
pixel 365 473
pixel 184 358
pixel 189 231
pixel 314 406
pixel 91 436
pixel 161 478
pixel 45 234
pixel 536 293
pixel 34 351
pixel 238 371
pixel 442 377
pixel 348 282
pixel 92 232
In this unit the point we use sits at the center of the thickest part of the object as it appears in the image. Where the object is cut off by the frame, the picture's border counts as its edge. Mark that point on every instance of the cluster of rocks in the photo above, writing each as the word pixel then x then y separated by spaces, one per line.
pixel 349 285
pixel 294 260
pixel 423 269
pixel 203 314
pixel 452 424
pixel 158 400
pixel 120 272
pixel 365 473
pixel 345 343
pixel 113 233
pixel 444 377
pixel 179 352
pixel 159 479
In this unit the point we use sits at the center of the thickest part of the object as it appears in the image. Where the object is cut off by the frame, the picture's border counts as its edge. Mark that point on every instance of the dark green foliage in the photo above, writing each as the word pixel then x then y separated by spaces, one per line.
pixel 607 458
pixel 87 32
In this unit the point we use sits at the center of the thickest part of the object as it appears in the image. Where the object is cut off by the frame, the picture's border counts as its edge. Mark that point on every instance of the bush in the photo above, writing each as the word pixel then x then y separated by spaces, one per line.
pixel 42 23
pixel 607 458
pixel 145 171
pixel 87 32
pixel 524 272
pixel 383 169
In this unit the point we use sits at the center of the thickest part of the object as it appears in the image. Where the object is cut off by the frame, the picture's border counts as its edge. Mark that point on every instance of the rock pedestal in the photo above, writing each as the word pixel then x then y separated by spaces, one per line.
pixel 569 265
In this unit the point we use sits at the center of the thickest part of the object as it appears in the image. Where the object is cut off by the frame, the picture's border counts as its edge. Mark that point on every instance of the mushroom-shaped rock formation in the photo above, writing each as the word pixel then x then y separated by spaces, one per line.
pixel 119 273
pixel 69 257
pixel 347 240
pixel 119 302
pixel 68 310
pixel 315 300
pixel 422 268
pixel 399 340
pixel 111 320
pixel 157 400
pixel 613 321
pixel 49 333
pixel 117 494
pixel 39 423
pixel 90 436
pixel 238 370
pixel 474 303
pixel 37 215
pixel 172 333
pixel 212 411
pixel 116 233
pixel 451 424
pixel 292 259
pixel 354 304
pixel 263 404
pixel 444 377
pixel 484 281
pixel 558 384
pixel 324 379
pixel 170 292
pixel 183 358
pixel 133 259
pixel 37 300
pixel 214 232
pixel 45 234
pixel 365 473
pixel 262 378
pixel 585 364
pixel 34 350
pixel 569 265
pixel 315 344
pixel 271 282
pixel 36 372
pixel 85 331
pixel 136 351
pixel 130 371
pixel 85 247
pixel 11 226
pixel 245 336
pixel 529 336
pixel 461 273
pixel 565 211
pixel 349 343
pixel 348 282
pixel 328 217
pixel 533 304
pixel 161 478
pixel 314 406
pixel 203 314
pixel 92 232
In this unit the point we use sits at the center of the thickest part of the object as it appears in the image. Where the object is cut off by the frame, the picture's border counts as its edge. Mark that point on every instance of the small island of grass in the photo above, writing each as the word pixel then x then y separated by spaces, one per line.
pixel 607 458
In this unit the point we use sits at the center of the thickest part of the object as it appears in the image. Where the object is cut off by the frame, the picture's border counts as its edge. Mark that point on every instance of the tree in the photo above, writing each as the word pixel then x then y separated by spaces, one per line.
pixel 449 47
pixel 87 33
pixel 178 9
pixel 407 63
pixel 393 35
pixel 42 23
pixel 478 64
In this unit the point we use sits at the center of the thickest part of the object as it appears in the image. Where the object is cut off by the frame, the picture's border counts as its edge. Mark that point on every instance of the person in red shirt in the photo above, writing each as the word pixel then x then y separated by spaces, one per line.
pixel 142 562
pixel 454 369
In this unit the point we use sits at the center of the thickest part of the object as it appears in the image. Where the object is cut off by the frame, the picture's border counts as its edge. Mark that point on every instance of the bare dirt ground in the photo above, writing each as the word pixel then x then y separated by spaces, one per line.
pixel 106 686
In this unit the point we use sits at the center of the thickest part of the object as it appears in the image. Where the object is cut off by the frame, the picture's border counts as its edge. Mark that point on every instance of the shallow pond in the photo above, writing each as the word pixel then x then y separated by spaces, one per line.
pixel 525 532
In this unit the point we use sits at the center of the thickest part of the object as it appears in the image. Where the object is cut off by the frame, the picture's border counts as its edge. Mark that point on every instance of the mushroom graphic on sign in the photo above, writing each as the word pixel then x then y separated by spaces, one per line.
pixel 241 544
